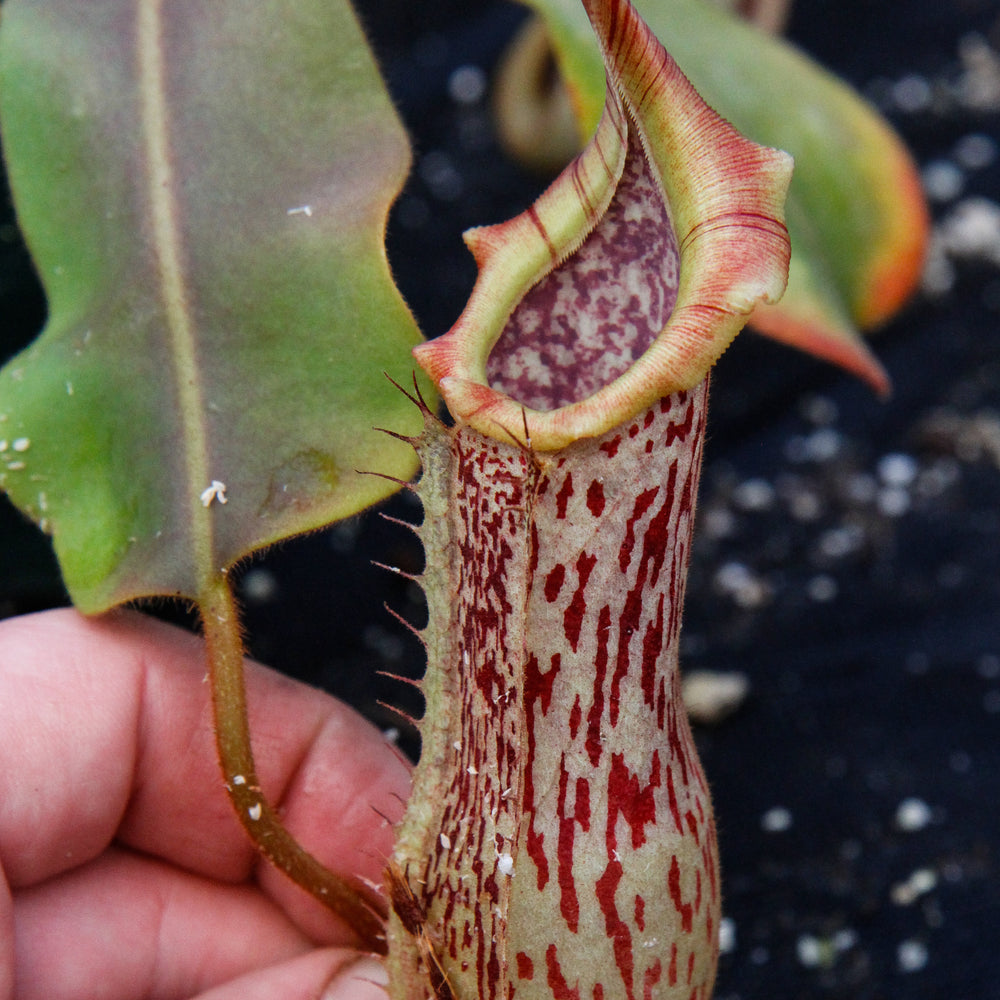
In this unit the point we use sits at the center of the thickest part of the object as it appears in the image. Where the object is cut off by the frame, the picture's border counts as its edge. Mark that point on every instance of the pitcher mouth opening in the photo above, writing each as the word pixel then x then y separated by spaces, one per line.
pixel 631 274
pixel 590 319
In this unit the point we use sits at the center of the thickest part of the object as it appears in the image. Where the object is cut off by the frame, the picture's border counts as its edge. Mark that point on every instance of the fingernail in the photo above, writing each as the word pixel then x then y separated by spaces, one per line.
pixel 365 979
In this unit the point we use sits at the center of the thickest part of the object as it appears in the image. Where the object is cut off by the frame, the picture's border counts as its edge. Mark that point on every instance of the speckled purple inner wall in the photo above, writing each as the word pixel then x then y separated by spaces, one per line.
pixel 587 321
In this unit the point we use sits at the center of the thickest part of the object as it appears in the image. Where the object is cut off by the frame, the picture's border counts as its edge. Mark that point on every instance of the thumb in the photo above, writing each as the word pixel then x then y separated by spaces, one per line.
pixel 327 973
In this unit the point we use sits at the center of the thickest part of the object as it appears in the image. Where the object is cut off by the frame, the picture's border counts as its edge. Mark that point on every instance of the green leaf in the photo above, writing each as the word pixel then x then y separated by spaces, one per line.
pixel 856 214
pixel 204 191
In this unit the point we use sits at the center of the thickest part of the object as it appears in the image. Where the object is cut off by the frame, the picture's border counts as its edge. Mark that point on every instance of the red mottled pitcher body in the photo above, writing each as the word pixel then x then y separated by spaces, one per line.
pixel 561 842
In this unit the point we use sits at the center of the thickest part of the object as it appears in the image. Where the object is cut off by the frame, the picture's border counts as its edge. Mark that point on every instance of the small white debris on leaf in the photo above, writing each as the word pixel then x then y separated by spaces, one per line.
pixel 21 444
pixel 445 841
pixel 305 210
pixel 712 695
pixel 505 865
pixel 217 491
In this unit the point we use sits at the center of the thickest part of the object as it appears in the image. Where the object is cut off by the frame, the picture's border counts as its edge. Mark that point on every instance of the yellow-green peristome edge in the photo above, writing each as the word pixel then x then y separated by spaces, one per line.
pixel 724 197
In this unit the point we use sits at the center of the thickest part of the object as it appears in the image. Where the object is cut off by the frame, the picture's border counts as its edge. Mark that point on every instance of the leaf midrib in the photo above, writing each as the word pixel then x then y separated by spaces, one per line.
pixel 169 256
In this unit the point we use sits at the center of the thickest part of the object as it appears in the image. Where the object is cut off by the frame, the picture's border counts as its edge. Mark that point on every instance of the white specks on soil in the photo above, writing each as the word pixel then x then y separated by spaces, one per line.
pixel 979 85
pixel 713 695
pixel 818 410
pixel 892 501
pixel 259 585
pixel 717 522
pixel 467 84
pixel 727 935
pixel 988 666
pixel 388 646
pixel 822 588
pixel 911 956
pixel 754 495
pixel 991 702
pixel 917 663
pixel 942 180
pixel 255 811
pixel 841 541
pixel 746 588
pixel 438 171
pixel 975 151
pixel 972 230
pixel 810 951
pixel 912 93
pixel 913 814
pixel 777 819
pixel 897 469
pixel 818 446
pixel 920 882
pixel 821 952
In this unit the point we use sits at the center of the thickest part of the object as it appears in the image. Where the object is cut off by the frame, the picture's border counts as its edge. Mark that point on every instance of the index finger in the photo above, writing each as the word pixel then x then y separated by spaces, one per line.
pixel 108 735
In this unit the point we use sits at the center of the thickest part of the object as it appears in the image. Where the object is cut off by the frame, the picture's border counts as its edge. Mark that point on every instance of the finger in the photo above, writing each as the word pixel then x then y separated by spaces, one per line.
pixel 119 735
pixel 128 926
pixel 330 973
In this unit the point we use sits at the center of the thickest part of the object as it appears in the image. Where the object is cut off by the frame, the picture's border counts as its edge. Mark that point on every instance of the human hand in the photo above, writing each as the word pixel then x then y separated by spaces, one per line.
pixel 125 871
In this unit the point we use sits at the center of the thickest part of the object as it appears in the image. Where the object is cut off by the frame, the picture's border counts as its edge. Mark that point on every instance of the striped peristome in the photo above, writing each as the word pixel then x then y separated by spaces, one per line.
pixel 565 846
pixel 559 841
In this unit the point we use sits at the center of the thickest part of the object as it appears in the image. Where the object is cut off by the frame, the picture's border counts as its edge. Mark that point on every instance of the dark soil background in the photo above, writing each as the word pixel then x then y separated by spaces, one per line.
pixel 848 550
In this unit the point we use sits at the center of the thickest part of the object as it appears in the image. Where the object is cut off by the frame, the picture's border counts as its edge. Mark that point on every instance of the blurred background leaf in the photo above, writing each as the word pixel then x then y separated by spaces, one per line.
pixel 856 212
